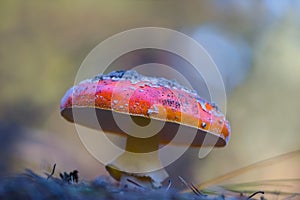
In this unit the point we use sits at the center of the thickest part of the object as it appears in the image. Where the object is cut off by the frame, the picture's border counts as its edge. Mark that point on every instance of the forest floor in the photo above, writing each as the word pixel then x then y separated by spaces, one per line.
pixel 29 185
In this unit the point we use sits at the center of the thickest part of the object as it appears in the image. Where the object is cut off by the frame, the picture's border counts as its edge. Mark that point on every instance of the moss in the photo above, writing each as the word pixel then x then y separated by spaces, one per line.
pixel 29 185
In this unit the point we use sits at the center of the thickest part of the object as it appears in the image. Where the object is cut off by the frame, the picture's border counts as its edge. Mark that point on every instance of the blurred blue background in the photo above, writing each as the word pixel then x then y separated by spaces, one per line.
pixel 255 44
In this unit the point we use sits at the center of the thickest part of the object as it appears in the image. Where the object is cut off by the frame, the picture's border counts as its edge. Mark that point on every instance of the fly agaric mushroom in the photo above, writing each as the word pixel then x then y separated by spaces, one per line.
pixel 143 99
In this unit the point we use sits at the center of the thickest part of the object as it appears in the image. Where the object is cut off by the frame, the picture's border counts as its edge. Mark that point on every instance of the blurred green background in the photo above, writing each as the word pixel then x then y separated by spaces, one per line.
pixel 256 45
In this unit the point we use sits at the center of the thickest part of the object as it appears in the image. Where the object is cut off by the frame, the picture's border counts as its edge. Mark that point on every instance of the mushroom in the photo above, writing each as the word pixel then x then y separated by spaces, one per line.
pixel 129 95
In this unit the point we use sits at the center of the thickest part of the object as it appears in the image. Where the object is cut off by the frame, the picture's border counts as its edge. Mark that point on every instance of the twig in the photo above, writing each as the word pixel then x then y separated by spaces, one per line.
pixel 53 170
pixel 191 186
pixel 255 193
pixel 135 183
pixel 169 185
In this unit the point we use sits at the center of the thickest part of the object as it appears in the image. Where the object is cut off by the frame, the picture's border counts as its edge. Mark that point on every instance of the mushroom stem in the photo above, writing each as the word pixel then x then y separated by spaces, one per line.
pixel 140 161
pixel 142 145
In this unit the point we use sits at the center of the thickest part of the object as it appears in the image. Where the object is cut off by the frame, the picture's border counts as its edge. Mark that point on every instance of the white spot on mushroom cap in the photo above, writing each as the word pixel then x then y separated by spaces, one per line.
pixel 154 110
pixel 134 77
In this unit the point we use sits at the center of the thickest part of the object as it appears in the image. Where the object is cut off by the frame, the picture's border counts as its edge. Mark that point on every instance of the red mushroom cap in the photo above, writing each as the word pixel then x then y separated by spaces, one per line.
pixel 129 93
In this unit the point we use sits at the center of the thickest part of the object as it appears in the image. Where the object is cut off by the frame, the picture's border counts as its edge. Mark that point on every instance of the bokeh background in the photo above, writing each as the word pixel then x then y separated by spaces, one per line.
pixel 255 44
